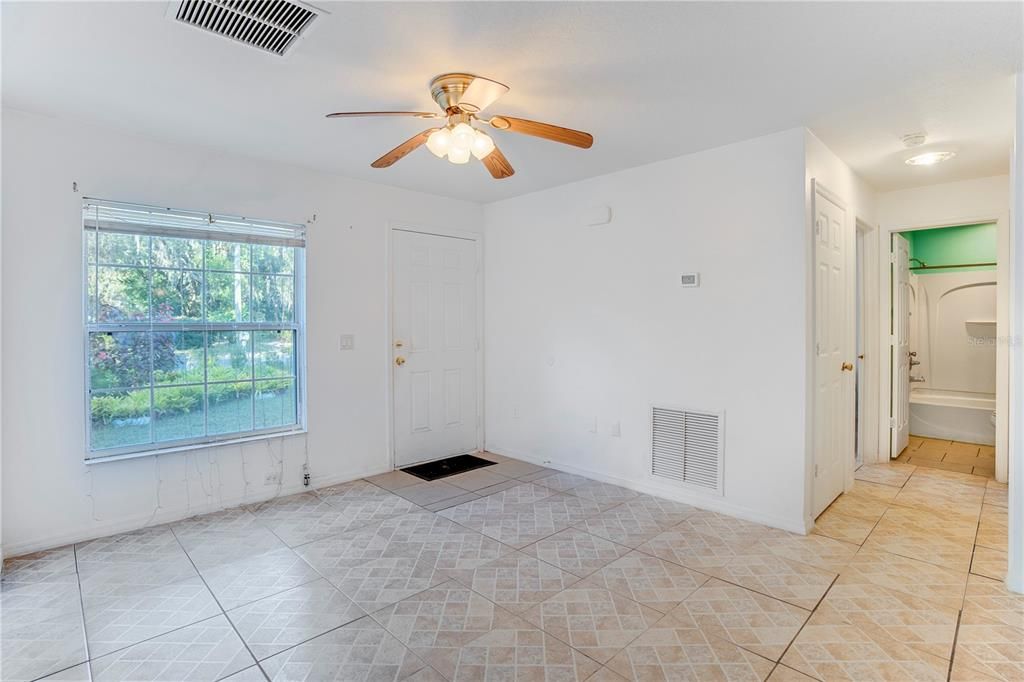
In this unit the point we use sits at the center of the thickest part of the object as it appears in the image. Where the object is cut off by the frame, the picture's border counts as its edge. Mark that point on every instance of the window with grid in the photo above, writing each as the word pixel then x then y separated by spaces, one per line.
pixel 194 328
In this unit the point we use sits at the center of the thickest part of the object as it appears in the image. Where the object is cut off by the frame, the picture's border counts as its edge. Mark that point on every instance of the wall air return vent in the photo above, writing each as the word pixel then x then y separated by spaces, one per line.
pixel 686 447
pixel 270 25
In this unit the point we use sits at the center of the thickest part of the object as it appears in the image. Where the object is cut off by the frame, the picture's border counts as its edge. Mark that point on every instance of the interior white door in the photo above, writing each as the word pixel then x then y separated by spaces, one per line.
pixel 833 370
pixel 901 312
pixel 435 346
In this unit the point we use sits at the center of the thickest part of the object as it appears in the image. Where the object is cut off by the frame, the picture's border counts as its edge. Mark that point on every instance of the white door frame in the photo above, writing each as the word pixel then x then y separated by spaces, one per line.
pixel 1002 221
pixel 478 238
pixel 872 363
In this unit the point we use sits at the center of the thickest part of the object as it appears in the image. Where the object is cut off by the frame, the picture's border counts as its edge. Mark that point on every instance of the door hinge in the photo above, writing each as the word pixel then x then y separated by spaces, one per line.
pixel 892 422
pixel 815 470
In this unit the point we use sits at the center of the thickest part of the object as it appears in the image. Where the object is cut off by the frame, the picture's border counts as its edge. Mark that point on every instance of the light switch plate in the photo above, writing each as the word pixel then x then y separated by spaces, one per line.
pixel 690 279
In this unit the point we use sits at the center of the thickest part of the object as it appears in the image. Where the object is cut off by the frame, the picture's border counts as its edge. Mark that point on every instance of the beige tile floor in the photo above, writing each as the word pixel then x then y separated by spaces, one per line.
pixel 523 573
pixel 951 455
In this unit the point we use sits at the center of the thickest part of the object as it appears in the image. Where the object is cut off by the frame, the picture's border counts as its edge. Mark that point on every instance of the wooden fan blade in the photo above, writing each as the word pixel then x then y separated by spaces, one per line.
pixel 577 138
pixel 481 93
pixel 353 114
pixel 497 164
pixel 403 149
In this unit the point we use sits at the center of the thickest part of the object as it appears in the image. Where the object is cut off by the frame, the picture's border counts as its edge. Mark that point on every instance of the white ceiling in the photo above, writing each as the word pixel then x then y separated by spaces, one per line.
pixel 649 80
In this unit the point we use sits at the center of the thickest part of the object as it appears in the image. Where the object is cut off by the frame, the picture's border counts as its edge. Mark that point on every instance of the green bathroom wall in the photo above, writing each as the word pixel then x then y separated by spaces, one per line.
pixel 952 245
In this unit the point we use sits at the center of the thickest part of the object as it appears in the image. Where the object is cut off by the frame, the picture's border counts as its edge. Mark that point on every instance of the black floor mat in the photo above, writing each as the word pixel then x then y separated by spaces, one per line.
pixel 442 468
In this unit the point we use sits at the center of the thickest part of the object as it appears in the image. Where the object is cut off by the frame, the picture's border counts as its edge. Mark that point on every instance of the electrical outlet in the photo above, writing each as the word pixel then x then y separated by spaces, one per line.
pixel 272 478
pixel 347 342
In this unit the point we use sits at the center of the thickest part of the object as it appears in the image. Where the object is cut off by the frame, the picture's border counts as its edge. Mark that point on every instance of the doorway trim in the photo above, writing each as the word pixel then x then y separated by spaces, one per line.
pixel 1003 255
pixel 867 265
pixel 389 331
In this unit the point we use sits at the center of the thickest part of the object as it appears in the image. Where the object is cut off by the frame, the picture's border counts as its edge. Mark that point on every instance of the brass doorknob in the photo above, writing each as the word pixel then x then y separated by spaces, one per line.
pixel 399 361
pixel 847 366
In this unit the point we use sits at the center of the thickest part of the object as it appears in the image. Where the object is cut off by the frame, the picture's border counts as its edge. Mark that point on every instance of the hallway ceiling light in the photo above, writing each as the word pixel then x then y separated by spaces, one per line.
pixel 930 158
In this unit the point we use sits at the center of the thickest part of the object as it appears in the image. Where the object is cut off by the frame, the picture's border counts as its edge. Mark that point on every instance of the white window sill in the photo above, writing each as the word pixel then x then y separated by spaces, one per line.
pixel 100 459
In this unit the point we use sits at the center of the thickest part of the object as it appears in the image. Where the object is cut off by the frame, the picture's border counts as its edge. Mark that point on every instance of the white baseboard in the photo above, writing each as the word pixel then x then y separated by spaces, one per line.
pixel 125 525
pixel 666 491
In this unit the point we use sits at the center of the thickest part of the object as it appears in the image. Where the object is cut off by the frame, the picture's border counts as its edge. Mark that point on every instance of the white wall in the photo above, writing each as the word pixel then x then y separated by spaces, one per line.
pixel 960 203
pixel 590 324
pixel 49 495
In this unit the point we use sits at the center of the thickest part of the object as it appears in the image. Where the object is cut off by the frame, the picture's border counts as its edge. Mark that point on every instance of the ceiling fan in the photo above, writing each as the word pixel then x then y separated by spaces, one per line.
pixel 462 97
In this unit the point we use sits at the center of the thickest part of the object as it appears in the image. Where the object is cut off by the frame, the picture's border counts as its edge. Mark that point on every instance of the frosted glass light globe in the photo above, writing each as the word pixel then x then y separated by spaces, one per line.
pixel 482 144
pixel 439 142
pixel 458 154
pixel 463 136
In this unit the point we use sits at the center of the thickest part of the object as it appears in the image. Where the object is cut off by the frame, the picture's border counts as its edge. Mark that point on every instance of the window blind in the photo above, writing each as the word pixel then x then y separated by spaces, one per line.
pixel 125 218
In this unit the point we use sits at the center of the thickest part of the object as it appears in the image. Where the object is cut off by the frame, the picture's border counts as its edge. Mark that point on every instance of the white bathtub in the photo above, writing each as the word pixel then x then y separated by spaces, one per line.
pixel 953 415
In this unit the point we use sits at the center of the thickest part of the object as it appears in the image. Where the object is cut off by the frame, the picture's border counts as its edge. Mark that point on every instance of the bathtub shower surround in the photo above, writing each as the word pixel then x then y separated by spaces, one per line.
pixel 953 332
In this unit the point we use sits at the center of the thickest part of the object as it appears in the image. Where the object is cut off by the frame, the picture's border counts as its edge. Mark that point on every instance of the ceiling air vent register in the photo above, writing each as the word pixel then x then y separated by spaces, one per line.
pixel 686 447
pixel 270 25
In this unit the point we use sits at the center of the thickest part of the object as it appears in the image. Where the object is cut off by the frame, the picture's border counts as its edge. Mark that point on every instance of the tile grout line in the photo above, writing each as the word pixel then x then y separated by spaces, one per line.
pixel 223 612
pixel 952 651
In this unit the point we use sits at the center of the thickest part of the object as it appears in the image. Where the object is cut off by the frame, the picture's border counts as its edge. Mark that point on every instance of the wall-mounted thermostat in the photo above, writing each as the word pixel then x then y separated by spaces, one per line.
pixel 690 279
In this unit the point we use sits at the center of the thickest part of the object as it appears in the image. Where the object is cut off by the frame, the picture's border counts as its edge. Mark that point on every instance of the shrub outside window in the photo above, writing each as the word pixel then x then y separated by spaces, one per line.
pixel 194 328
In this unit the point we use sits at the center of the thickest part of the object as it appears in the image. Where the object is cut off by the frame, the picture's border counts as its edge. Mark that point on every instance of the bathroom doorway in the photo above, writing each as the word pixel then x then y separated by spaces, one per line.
pixel 944 303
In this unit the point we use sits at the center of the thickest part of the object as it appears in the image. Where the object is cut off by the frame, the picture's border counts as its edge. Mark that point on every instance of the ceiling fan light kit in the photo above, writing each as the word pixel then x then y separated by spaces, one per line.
pixel 462 96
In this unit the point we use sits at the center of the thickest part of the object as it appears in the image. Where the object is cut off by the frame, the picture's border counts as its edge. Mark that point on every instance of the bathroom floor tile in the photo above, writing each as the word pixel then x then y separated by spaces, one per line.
pixel 576 551
pixel 647 580
pixel 753 621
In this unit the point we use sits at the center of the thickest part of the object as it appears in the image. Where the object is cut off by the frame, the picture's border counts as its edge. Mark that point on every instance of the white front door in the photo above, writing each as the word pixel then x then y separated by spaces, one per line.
pixel 833 369
pixel 434 346
pixel 901 312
